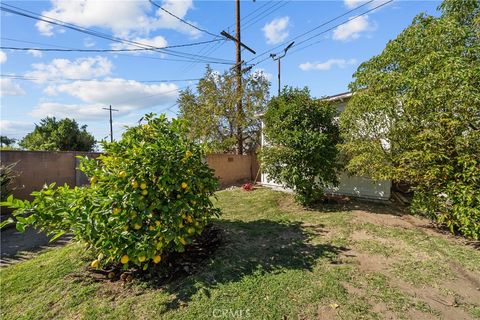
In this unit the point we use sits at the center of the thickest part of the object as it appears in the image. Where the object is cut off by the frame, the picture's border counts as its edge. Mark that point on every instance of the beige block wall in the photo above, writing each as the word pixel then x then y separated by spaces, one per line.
pixel 36 168
pixel 232 169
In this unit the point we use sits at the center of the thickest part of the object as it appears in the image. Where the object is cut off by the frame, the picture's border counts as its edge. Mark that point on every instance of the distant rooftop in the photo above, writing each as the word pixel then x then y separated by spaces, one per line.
pixel 340 96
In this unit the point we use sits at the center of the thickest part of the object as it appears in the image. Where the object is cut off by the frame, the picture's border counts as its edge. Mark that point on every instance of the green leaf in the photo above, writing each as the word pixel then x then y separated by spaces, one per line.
pixel 6 222
pixel 57 235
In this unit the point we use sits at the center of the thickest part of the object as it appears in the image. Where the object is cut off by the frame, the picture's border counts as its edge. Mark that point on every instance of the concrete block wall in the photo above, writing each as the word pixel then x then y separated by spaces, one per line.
pixel 36 168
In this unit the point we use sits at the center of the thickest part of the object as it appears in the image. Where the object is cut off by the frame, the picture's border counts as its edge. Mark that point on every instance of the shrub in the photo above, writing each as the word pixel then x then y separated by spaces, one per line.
pixel 414 116
pixel 149 195
pixel 301 148
pixel 7 175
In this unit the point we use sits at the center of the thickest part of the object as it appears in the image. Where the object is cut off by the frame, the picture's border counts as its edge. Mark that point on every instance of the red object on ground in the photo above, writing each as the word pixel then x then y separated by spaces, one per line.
pixel 247 187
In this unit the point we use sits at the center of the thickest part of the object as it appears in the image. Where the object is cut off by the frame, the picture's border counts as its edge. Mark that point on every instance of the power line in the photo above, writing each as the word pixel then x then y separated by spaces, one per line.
pixel 29 78
pixel 109 50
pixel 269 12
pixel 344 22
pixel 253 12
pixel 182 20
pixel 331 28
pixel 35 16
pixel 307 32
pixel 121 54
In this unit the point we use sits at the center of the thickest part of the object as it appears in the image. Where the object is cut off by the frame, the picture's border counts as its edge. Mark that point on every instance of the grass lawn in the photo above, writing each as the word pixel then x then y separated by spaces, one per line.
pixel 277 261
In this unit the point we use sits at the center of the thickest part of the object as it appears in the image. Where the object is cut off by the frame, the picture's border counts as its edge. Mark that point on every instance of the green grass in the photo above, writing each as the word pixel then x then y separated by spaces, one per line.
pixel 277 260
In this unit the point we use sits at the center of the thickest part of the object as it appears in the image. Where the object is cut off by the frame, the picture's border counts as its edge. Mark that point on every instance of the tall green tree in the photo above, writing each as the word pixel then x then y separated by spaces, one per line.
pixel 6 141
pixel 213 115
pixel 59 135
pixel 415 115
pixel 302 135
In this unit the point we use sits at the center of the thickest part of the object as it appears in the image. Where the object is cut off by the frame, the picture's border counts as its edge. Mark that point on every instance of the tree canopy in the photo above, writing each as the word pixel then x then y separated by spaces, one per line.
pixel 213 115
pixel 6 141
pixel 300 151
pixel 59 135
pixel 415 115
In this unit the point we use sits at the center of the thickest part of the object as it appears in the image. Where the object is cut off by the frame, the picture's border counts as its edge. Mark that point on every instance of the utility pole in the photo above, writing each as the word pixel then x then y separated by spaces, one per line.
pixel 239 81
pixel 278 58
pixel 238 66
pixel 111 126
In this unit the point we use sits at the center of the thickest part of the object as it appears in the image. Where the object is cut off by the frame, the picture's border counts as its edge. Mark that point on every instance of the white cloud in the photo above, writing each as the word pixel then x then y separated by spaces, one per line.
pixel 356 3
pixel 352 29
pixel 9 88
pixel 353 3
pixel 261 71
pixel 35 53
pixel 125 95
pixel 124 18
pixel 76 111
pixel 77 69
pixel 3 57
pixel 275 31
pixel 15 129
pixel 88 42
pixel 327 65
pixel 157 41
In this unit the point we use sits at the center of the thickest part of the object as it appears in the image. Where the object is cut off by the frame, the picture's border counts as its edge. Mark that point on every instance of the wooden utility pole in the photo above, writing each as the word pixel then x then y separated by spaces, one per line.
pixel 238 43
pixel 239 82
pixel 111 124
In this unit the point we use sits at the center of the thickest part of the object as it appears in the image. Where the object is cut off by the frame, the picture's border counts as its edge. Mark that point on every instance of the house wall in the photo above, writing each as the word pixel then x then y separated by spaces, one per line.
pixel 35 168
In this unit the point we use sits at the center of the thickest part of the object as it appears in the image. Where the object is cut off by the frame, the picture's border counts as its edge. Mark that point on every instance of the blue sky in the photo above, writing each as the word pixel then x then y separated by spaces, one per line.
pixel 79 84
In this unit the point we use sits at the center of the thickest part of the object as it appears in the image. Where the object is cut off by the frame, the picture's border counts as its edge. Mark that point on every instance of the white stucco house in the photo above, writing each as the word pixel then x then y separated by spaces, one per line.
pixel 354 186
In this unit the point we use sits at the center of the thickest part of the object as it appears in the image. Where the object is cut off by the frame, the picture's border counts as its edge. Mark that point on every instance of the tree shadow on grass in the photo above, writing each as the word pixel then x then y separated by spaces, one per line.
pixel 344 203
pixel 260 246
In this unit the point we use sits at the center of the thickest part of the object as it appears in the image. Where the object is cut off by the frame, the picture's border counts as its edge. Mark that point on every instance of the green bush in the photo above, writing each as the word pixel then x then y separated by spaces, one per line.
pixel 7 175
pixel 149 195
pixel 301 136
pixel 414 116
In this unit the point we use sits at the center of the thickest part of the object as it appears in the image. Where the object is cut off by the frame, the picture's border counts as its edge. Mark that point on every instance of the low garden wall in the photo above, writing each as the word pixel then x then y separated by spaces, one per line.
pixel 35 168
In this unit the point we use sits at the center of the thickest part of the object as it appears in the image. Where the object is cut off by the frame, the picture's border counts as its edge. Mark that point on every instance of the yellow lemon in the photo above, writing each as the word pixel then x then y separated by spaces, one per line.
pixel 134 184
pixel 122 174
pixel 191 231
pixel 93 180
pixel 144 192
pixel 180 225
pixel 158 223
pixel 188 154
pixel 143 186
pixel 159 245
pixel 116 210
pixel 157 259
pixel 151 228
pixel 189 219
pixel 124 259
pixel 95 264
pixel 136 226
pixel 184 185
pixel 141 258
pixel 125 228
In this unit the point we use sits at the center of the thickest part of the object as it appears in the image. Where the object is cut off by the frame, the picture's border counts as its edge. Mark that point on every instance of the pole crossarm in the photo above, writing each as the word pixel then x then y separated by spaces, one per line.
pixel 230 37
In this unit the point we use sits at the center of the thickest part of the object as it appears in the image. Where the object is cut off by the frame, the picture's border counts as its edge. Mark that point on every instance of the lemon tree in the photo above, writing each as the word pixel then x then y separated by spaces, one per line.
pixel 149 195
